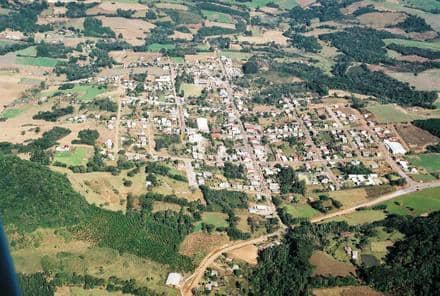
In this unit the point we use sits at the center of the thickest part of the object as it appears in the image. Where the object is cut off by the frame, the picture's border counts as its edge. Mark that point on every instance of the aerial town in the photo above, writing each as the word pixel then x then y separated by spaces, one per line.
pixel 225 147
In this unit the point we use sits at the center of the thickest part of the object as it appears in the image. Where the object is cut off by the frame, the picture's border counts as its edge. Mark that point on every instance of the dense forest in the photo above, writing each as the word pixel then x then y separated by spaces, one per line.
pixel 432 125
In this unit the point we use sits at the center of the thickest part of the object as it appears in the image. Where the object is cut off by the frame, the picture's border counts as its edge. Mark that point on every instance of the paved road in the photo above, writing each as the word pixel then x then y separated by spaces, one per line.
pixel 193 280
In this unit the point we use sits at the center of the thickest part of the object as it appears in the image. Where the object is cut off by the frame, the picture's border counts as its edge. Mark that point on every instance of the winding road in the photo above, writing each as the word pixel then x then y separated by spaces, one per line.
pixel 193 280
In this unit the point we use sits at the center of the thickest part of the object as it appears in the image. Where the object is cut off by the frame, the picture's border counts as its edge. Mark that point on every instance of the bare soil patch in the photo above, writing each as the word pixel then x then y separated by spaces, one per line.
pixel 248 254
pixel 416 138
pixel 346 291
pixel 112 7
pixel 381 19
pixel 133 30
pixel 325 265
pixel 266 37
pixel 200 242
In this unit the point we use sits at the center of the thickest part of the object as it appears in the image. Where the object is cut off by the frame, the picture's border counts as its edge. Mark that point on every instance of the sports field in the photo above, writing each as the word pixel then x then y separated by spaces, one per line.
pixel 429 161
pixel 77 156
pixel 301 210
pixel 390 113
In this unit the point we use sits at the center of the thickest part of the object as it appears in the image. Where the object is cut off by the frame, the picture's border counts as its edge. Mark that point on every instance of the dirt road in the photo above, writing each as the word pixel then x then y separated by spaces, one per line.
pixel 193 280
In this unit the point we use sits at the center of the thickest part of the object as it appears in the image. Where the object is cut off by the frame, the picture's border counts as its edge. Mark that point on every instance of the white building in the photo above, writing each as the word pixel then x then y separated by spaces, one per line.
pixel 202 124
pixel 174 279
pixel 395 147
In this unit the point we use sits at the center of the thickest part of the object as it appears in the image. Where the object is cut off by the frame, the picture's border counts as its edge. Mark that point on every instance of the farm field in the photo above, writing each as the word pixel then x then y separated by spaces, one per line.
pixel 217 219
pixel 414 43
pixel 301 210
pixel 156 47
pixel 39 62
pixel 86 92
pixel 77 156
pixel 191 90
pixel 390 113
pixel 325 265
pixel 422 4
pixel 10 113
pixel 416 203
pixel 429 161
pixel 361 217
pixel 217 16
pixel 427 80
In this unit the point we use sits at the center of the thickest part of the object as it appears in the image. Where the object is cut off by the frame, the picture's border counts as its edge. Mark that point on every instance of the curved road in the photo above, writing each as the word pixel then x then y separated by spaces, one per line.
pixel 193 280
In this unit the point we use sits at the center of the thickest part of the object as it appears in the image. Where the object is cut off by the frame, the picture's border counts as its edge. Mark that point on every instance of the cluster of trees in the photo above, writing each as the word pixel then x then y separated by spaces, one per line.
pixel 354 169
pixel 223 9
pixel 166 141
pixel 364 10
pixel 78 9
pixel 423 52
pixel 87 137
pixel 157 168
pixel 48 139
pixel 357 79
pixel 93 28
pixel 362 44
pixel 4 49
pixel 105 104
pixel 52 50
pixel 414 23
pixel 24 16
pixel 411 266
pixel 45 283
pixel 214 30
pixel 27 190
pixel 325 11
pixel 232 171
pixel 308 43
pixel 325 203
pixel 54 114
pixel 289 182
pixel 224 199
pixel 74 71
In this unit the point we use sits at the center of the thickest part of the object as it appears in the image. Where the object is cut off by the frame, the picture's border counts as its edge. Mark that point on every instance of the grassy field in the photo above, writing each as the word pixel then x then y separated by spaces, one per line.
pixel 77 156
pixel 390 113
pixel 416 203
pixel 86 92
pixel 301 210
pixel 27 52
pixel 413 43
pixel 57 250
pixel 286 4
pixel 10 113
pixel 156 47
pixel 217 16
pixel 430 161
pixel 427 5
pixel 236 55
pixel 361 217
pixel 191 90
pixel 40 62
pixel 217 219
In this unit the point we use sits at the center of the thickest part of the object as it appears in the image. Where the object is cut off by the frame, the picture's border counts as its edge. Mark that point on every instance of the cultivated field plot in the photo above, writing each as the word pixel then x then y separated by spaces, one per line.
pixel 325 265
pixel 413 43
pixel 390 113
pixel 427 80
pixel 416 138
pixel 346 291
pixel 381 19
pixel 350 197
pixel 301 210
pixel 215 218
pixel 266 37
pixel 133 30
pixel 361 217
pixel 430 162
pixel 198 244
pixel 217 16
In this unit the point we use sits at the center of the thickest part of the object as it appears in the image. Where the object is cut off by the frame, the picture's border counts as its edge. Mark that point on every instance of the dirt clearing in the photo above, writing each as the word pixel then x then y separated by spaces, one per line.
pixel 416 138
pixel 248 254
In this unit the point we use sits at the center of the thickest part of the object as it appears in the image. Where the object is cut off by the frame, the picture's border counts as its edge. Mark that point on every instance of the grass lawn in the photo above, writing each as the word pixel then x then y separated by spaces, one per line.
pixel 415 203
pixel 301 210
pixel 413 43
pixel 40 62
pixel 191 90
pixel 390 113
pixel 217 16
pixel 10 113
pixel 236 55
pixel 30 51
pixel 422 4
pixel 155 47
pixel 217 219
pixel 86 92
pixel 361 217
pixel 77 156
pixel 429 161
